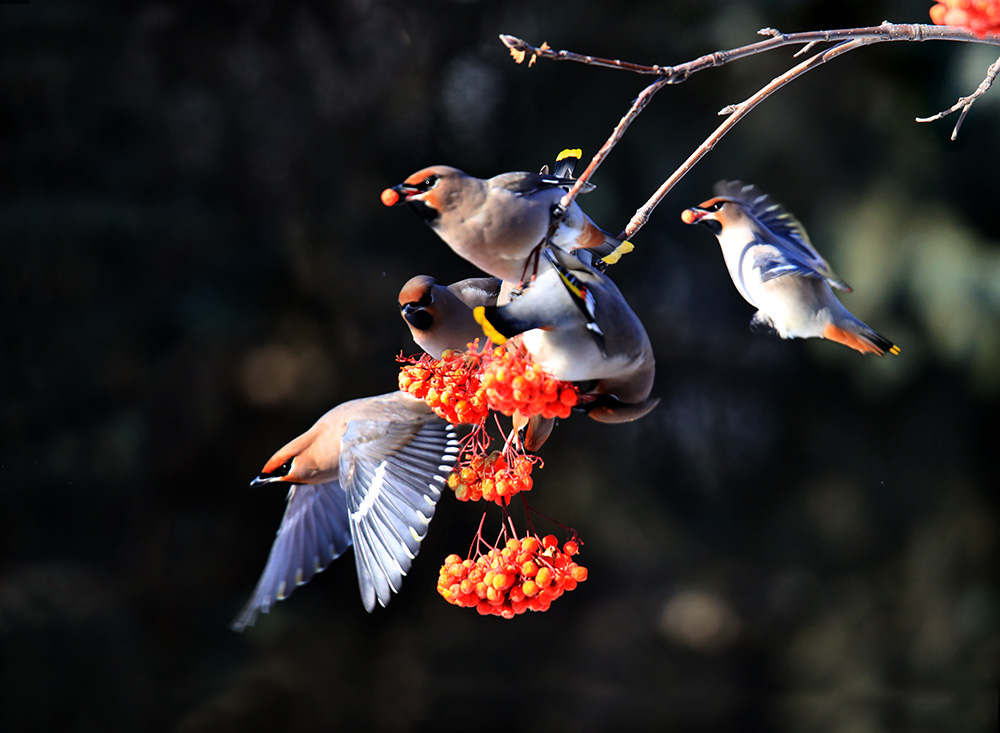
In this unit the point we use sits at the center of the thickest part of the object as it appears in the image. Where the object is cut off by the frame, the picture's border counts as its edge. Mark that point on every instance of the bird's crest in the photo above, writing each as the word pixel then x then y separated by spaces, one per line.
pixel 765 210
pixel 778 221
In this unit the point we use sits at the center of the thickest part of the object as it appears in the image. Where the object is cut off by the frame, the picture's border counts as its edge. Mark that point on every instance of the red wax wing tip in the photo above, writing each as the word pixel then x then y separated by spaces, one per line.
pixel 390 197
pixel 688 216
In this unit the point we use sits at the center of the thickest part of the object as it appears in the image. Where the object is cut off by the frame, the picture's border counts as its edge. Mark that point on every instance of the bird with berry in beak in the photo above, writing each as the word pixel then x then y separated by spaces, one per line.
pixel 777 270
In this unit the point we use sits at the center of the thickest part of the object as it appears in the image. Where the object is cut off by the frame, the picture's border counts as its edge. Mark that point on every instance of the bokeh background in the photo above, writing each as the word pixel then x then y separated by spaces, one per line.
pixel 197 266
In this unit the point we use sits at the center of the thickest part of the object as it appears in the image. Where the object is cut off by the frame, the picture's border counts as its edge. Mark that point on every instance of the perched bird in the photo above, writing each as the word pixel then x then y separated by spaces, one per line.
pixel 440 317
pixel 776 269
pixel 368 473
pixel 499 223
pixel 576 324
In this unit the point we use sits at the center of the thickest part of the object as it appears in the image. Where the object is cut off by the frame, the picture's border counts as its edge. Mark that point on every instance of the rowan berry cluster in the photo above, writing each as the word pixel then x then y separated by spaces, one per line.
pixel 525 575
pixel 449 385
pixel 514 383
pixel 982 17
pixel 492 477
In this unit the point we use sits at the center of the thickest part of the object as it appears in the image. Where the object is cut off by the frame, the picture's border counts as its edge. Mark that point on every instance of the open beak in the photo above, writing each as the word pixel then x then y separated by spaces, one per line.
pixel 398 194
pixel 693 215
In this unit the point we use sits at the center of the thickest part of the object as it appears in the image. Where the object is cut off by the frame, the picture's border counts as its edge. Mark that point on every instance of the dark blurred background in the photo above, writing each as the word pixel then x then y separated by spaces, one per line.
pixel 197 266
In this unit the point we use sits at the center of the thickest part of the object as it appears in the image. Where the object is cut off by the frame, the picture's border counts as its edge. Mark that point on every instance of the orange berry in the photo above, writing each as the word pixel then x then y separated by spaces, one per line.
pixel 568 397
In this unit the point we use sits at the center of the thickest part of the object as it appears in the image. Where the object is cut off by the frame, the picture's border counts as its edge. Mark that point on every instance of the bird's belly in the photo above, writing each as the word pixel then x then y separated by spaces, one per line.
pixel 796 306
pixel 570 357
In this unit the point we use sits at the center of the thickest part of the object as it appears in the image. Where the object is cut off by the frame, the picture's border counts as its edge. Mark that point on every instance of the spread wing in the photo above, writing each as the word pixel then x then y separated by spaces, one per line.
pixel 393 473
pixel 314 531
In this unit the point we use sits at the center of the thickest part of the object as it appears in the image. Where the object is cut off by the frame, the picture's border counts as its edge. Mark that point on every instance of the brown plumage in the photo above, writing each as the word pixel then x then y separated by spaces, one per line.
pixel 498 223
pixel 368 473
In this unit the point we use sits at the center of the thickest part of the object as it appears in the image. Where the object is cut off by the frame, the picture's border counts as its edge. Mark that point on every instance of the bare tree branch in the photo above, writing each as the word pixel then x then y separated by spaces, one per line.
pixel 638 105
pixel 846 39
pixel 521 49
pixel 735 113
pixel 965 103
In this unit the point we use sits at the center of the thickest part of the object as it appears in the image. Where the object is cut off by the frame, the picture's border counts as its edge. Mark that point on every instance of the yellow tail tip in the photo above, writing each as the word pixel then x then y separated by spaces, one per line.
pixel 894 350
pixel 479 313
pixel 622 249
pixel 570 153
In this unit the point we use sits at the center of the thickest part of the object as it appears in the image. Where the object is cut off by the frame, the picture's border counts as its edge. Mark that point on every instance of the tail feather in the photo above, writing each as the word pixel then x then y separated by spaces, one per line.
pixel 500 324
pixel 866 341
pixel 607 408
pixel 566 161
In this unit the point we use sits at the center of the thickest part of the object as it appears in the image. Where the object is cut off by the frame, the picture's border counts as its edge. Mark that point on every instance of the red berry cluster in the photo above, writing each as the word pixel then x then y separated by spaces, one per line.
pixel 449 385
pixel 982 17
pixel 514 383
pixel 493 477
pixel 526 575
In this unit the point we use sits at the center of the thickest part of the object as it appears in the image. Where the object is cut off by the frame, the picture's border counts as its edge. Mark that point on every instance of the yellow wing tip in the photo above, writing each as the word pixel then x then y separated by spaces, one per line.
pixel 622 249
pixel 479 313
pixel 570 153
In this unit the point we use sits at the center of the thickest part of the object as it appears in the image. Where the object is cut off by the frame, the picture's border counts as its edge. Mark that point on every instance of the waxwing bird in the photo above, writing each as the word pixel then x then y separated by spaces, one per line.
pixel 440 317
pixel 576 324
pixel 777 270
pixel 368 473
pixel 497 224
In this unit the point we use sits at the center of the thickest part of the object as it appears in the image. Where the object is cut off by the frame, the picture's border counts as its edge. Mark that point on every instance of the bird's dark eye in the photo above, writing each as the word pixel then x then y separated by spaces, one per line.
pixel 716 206
pixel 429 182
pixel 281 470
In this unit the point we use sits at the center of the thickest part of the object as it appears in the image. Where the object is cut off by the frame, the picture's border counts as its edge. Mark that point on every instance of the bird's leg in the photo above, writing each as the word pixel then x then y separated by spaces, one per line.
pixel 532 262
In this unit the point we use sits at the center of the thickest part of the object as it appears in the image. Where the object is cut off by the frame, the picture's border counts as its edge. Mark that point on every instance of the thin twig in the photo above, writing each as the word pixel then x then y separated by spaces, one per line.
pixel 965 103
pixel 735 113
pixel 521 49
pixel 638 105
pixel 846 39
